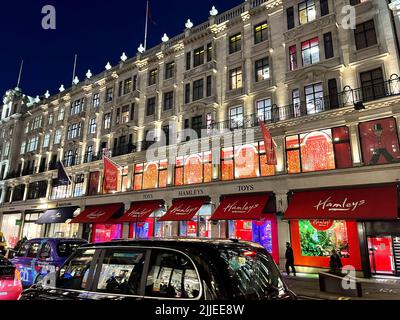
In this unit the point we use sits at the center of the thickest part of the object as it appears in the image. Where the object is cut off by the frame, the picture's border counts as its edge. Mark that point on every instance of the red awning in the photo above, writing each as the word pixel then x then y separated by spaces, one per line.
pixel 375 203
pixel 139 211
pixel 98 214
pixel 241 207
pixel 183 209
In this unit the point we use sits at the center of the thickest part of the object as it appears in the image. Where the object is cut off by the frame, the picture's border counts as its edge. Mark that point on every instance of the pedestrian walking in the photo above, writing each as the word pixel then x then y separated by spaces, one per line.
pixel 335 263
pixel 289 259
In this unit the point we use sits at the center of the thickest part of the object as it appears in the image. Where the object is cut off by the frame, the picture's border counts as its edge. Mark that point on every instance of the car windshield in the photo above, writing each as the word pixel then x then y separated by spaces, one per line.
pixel 253 274
pixel 66 248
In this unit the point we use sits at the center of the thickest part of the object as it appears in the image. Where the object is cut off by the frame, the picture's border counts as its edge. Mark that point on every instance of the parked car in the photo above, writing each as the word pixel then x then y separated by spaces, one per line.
pixel 3 244
pixel 166 270
pixel 10 280
pixel 39 257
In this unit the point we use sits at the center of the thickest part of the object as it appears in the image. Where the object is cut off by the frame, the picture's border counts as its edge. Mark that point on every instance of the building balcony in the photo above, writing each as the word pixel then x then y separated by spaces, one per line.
pixel 123 150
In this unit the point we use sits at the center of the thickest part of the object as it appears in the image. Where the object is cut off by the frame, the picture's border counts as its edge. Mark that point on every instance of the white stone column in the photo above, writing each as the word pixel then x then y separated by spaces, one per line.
pixel 355 145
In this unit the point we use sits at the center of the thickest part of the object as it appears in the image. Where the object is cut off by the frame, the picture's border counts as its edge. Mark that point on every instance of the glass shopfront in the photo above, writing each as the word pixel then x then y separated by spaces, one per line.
pixel 150 227
pixel 31 230
pixel 63 230
pixel 10 226
pixel 200 226
pixel 106 232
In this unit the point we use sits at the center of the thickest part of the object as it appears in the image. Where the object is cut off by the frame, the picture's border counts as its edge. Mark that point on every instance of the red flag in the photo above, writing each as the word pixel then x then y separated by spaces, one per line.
pixel 269 145
pixel 110 179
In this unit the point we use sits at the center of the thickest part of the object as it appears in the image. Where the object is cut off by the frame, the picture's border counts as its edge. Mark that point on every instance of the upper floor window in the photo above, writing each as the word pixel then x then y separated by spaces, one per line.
pixel 168 100
pixel 22 149
pixel 260 32
pixel 235 43
pixel 324 4
pixel 187 93
pixel 125 114
pixel 51 118
pixel 264 109
pixel 109 94
pixel 188 60
pixel 307 11
pixel 169 70
pixel 365 35
pixel 76 107
pixel 127 86
pixel 95 100
pixel 209 86
pixel 107 121
pixel 314 98
pixel 7 148
pixel 92 126
pixel 57 137
pixel 235 78
pixel 290 18
pixel 293 58
pixel 198 57
pixel 32 145
pixel 74 131
pixel 198 89
pixel 262 69
pixel 61 113
pixel 310 52
pixel 372 84
pixel 151 106
pixel 153 77
pixel 209 52
pixel 37 122
pixel 328 44
pixel 46 140
pixel 236 117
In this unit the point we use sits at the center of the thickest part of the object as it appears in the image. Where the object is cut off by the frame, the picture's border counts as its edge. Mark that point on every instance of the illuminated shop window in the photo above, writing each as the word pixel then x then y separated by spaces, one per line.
pixel 319 237
pixel 244 162
pixel 151 175
pixel 193 169
pixel 94 180
pixel 319 150
pixel 380 141
pixel 60 191
pixel 10 228
pixel 79 185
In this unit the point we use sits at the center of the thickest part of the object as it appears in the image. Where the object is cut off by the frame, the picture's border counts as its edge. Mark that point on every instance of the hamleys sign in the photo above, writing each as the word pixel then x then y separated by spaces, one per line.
pixel 344 205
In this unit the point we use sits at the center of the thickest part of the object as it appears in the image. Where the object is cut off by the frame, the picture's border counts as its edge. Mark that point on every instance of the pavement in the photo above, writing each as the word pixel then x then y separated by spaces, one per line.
pixel 306 286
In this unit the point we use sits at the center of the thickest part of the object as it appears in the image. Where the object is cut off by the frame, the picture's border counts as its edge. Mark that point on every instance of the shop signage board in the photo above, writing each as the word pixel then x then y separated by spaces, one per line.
pixel 139 211
pixel 374 203
pixel 98 214
pixel 192 193
pixel 183 209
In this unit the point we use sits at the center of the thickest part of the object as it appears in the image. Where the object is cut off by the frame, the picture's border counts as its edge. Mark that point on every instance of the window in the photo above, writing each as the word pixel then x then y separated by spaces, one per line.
pixel 96 100
pixel 290 18
pixel 235 43
pixel 125 114
pixel 153 77
pixel 235 79
pixel 107 121
pixel 333 94
pixel 46 140
pixel 209 52
pixel 169 70
pixel 307 12
pixel 310 52
pixel 198 89
pixel 92 126
pixel 22 149
pixel 134 82
pixel 7 149
pixel 293 58
pixel 89 154
pixel 151 106
pixel 109 94
pixel 151 175
pixel 365 35
pixel 118 117
pixel 51 118
pixel 33 250
pixel 209 86
pixel 262 69
pixel 236 117
pixel 379 141
pixel 188 61
pixel 168 100
pixel 172 275
pixel 74 275
pixel 57 137
pixel 127 86
pixel 314 98
pixel 324 4
pixel 37 122
pixel 61 114
pixel 197 124
pixel 264 109
pixel 198 57
pixel 193 169
pixel 74 131
pixel 69 158
pixel 76 107
pixel 260 33
pixel 132 116
pixel 32 145
pixel 187 93
pixel 328 43
pixel 166 131
pixel 121 272
pixel 372 84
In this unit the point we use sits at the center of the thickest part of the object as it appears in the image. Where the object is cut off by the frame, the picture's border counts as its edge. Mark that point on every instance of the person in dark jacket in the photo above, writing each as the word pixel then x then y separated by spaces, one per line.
pixel 289 259
pixel 335 263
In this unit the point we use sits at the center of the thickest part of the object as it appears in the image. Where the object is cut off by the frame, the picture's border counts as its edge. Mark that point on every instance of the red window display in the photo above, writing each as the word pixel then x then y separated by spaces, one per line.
pixel 313 241
pixel 193 169
pixel 244 162
pixel 94 180
pixel 106 232
pixel 151 175
pixel 381 255
pixel 319 150
pixel 380 141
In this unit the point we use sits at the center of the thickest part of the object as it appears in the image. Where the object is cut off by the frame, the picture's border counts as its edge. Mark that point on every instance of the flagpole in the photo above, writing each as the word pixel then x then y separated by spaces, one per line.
pixel 146 25
pixel 74 70
pixel 20 73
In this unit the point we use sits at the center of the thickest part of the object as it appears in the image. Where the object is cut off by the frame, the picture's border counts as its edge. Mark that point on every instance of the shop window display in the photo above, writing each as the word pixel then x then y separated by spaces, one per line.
pixel 193 169
pixel 244 162
pixel 64 230
pixel 380 141
pixel 200 226
pixel 106 232
pixel 10 227
pixel 151 175
pixel 94 180
pixel 319 150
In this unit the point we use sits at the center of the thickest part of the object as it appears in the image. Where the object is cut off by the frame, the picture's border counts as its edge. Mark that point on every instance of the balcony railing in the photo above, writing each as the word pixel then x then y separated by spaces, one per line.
pixel 123 150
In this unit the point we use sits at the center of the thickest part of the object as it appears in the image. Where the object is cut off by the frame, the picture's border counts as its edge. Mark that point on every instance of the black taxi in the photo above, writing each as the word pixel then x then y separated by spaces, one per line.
pixel 168 269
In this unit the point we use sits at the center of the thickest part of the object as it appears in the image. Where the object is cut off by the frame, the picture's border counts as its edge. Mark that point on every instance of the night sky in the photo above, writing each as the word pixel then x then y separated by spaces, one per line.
pixel 98 31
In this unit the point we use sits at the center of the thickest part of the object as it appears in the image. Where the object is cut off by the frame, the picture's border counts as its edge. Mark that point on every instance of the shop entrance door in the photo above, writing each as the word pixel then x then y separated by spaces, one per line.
pixel 381 255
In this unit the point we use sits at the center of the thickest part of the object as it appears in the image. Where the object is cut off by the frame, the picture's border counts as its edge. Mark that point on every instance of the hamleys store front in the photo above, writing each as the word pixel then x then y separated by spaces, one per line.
pixel 344 220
